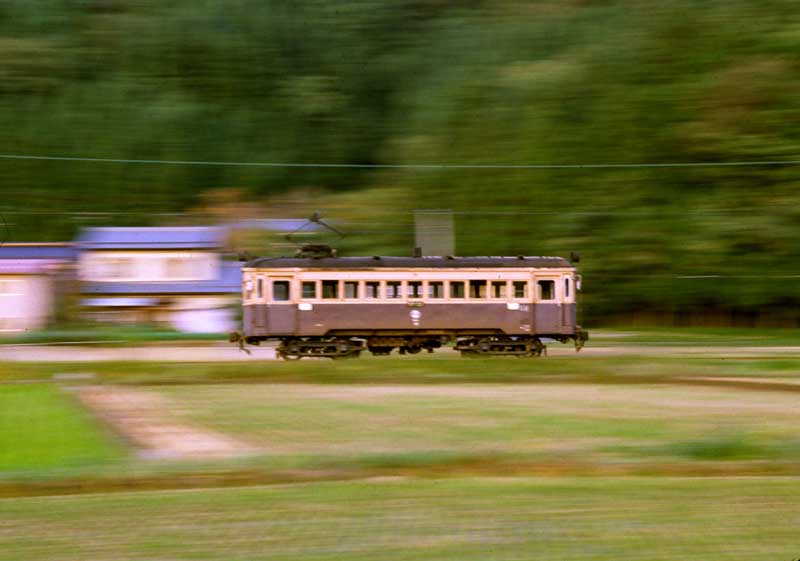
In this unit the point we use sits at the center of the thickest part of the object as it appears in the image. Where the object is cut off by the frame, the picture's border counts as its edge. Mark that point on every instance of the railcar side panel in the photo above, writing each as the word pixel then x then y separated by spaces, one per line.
pixel 322 319
pixel 548 317
pixel 281 319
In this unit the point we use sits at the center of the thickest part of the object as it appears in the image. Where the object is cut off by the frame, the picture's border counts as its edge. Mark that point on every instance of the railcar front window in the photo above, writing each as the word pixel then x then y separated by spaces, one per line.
pixel 309 289
pixel 393 289
pixel 415 289
pixel 260 288
pixel 520 289
pixel 435 290
pixel 547 290
pixel 477 289
pixel 351 289
pixel 457 289
pixel 280 291
pixel 498 289
pixel 372 290
pixel 330 289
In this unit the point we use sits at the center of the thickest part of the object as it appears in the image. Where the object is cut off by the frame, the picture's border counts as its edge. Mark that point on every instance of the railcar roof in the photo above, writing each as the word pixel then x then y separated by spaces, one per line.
pixel 520 262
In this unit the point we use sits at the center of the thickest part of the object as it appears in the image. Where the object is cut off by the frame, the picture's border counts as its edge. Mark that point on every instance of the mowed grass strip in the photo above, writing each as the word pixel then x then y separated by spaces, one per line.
pixel 696 336
pixel 586 423
pixel 41 428
pixel 441 369
pixel 659 519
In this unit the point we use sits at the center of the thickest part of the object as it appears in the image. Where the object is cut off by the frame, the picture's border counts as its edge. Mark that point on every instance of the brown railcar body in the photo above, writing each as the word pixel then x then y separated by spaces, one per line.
pixel 337 307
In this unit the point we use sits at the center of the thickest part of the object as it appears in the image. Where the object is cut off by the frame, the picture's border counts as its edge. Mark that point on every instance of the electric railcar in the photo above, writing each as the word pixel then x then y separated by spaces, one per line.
pixel 337 307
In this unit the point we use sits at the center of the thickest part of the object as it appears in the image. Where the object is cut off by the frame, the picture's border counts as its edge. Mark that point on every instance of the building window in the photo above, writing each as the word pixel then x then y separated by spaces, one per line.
pixel 309 289
pixel 351 289
pixel 498 289
pixel 435 290
pixel 330 289
pixel 456 289
pixel 547 290
pixel 477 289
pixel 116 268
pixel 373 290
pixel 11 288
pixel 11 324
pixel 415 289
pixel 178 268
pixel 280 291
pixel 393 289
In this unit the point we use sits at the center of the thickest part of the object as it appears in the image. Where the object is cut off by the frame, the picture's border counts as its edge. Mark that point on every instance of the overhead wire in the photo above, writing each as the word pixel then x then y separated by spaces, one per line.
pixel 745 163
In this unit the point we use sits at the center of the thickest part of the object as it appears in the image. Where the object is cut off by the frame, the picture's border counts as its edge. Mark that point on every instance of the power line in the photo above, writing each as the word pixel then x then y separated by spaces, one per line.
pixel 751 163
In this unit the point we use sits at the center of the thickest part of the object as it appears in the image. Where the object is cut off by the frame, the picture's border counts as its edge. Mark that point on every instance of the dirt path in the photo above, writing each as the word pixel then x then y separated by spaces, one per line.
pixel 144 419
pixel 97 353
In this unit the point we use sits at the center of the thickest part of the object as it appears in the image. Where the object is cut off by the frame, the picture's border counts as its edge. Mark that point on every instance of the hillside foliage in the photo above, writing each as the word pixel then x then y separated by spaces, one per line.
pixel 430 82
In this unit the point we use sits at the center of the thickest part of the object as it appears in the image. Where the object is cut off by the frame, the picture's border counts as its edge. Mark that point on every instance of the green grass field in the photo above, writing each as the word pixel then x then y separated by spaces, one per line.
pixel 461 520
pixel 425 369
pixel 433 457
pixel 697 336
pixel 43 429
pixel 559 422
pixel 109 334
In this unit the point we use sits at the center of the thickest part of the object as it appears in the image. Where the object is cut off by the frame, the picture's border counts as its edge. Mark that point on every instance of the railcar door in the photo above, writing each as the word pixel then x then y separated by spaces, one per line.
pixel 281 312
pixel 548 306
pixel 258 311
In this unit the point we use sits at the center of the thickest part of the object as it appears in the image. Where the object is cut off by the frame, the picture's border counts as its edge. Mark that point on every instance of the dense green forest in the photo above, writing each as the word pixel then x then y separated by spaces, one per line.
pixel 428 82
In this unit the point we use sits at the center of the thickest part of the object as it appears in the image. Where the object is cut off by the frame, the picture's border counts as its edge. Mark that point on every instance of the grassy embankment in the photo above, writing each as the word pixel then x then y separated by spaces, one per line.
pixel 442 415
pixel 108 335
pixel 463 519
pixel 41 429
pixel 447 428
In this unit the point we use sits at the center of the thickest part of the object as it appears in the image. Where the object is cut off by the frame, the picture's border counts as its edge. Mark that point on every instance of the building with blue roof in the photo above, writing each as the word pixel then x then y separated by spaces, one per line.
pixel 32 277
pixel 172 275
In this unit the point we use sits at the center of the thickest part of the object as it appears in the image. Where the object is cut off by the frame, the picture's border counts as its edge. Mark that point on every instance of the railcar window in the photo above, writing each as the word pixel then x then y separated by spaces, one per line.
pixel 520 289
pixel 566 288
pixel 477 289
pixel 351 289
pixel 435 290
pixel 330 289
pixel 260 288
pixel 415 289
pixel 393 289
pixel 280 291
pixel 309 289
pixel 456 289
pixel 372 290
pixel 498 289
pixel 547 290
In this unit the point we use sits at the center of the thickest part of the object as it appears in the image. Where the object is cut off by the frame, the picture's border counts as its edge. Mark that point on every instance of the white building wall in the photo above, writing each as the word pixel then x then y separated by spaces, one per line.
pixel 203 315
pixel 148 266
pixel 26 303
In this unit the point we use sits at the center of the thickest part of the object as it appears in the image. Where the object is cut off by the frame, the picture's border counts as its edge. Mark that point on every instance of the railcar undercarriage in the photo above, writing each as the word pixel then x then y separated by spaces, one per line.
pixel 475 345
pixel 500 346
